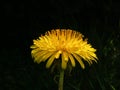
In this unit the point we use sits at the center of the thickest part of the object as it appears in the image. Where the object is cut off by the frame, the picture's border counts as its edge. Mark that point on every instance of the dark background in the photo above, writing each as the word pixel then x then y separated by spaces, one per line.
pixel 21 22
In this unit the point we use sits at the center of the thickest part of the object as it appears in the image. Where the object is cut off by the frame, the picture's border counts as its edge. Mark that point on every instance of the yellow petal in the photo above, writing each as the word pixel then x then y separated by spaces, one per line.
pixel 79 60
pixel 46 56
pixel 33 46
pixel 34 51
pixel 65 56
pixel 58 54
pixel 38 56
pixel 50 61
pixel 40 53
pixel 72 60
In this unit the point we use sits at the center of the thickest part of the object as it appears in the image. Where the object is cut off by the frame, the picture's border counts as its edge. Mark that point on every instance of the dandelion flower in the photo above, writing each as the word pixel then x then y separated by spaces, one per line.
pixel 64 44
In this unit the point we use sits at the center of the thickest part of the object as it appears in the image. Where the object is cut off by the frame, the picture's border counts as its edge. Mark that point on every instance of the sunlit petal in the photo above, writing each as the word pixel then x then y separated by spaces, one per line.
pixel 79 60
pixel 72 60
pixel 64 62
pixel 50 61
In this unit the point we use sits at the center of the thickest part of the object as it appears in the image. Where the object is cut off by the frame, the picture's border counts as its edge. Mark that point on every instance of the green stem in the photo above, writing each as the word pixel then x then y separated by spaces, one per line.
pixel 61 79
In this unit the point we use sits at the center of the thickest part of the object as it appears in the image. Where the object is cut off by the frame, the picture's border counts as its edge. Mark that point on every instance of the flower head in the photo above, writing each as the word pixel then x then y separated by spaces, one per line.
pixel 68 45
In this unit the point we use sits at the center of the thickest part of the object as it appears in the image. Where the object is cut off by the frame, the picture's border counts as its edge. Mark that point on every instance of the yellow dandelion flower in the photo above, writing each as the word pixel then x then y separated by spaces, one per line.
pixel 68 45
